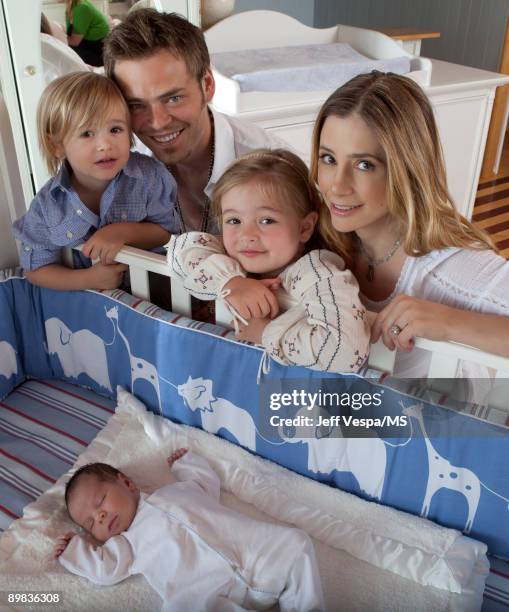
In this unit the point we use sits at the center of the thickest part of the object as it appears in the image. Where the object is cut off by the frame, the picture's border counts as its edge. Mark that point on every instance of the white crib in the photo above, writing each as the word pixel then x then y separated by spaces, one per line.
pixel 444 355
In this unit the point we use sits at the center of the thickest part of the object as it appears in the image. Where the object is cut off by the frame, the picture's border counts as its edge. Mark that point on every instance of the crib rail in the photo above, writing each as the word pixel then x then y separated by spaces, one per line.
pixel 142 262
pixel 444 355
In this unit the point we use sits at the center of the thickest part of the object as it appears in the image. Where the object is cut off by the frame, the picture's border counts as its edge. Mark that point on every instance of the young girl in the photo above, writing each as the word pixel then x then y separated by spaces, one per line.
pixel 100 192
pixel 423 267
pixel 268 209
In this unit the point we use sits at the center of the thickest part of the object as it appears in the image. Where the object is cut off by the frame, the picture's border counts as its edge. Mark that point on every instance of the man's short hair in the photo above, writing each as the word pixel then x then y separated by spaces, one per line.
pixel 145 32
pixel 102 471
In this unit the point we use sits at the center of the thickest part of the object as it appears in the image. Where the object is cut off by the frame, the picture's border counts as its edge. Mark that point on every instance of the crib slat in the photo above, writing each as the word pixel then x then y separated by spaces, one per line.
pixel 139 283
pixel 67 258
pixel 180 298
pixel 223 315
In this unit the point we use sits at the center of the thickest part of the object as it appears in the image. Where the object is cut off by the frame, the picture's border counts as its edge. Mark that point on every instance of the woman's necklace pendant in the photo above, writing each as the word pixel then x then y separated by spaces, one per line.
pixel 373 263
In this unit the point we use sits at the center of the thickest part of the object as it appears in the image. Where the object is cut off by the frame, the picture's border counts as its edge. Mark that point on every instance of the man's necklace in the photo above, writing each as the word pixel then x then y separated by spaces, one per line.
pixel 373 263
pixel 206 203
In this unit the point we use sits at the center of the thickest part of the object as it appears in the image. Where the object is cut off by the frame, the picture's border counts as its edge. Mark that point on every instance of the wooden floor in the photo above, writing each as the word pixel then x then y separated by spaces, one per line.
pixel 491 209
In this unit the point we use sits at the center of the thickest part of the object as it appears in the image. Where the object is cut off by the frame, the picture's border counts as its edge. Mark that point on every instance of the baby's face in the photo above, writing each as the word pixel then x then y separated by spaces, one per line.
pixel 104 508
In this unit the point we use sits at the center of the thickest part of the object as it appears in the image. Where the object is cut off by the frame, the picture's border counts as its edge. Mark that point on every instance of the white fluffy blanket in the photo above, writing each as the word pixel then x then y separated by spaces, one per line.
pixel 371 557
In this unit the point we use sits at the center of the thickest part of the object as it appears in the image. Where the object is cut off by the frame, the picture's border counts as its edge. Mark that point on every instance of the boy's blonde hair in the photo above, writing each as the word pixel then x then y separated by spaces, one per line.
pixel 68 105
pixel 279 173
pixel 401 117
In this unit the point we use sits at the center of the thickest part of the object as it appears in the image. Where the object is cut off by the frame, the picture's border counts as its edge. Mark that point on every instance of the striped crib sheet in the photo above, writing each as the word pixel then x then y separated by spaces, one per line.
pixel 496 593
pixel 44 426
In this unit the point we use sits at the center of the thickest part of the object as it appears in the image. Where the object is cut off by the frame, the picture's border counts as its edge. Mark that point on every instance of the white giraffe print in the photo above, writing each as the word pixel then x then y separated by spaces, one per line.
pixel 141 369
pixel 443 475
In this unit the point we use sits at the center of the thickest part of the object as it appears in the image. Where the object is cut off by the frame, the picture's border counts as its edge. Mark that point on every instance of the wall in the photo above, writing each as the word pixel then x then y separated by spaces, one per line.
pixel 302 10
pixel 472 31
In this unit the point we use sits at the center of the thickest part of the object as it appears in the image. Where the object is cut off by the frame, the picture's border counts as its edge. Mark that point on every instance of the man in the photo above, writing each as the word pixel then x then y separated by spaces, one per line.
pixel 162 65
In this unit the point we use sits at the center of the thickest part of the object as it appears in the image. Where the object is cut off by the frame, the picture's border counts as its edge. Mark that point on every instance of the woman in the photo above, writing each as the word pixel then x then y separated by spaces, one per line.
pixel 87 27
pixel 421 266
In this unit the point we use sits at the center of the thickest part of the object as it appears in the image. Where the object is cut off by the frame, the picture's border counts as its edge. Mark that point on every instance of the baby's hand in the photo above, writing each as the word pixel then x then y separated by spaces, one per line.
pixel 62 542
pixel 176 455
pixel 251 298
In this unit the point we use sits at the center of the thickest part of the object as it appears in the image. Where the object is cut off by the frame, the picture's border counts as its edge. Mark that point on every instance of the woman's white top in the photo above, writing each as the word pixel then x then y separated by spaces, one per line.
pixel 461 278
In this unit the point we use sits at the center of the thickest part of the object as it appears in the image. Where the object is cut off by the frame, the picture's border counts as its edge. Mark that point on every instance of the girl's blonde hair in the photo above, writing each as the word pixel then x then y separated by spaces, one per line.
pixel 68 105
pixel 401 117
pixel 280 174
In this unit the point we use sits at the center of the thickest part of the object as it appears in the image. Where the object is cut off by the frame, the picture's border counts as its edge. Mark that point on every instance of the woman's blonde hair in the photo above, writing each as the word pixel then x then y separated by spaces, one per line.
pixel 68 105
pixel 280 174
pixel 69 5
pixel 401 117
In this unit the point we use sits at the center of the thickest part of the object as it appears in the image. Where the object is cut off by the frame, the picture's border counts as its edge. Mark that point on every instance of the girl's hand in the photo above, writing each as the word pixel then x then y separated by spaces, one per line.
pixel 254 331
pixel 104 244
pixel 106 276
pixel 251 298
pixel 176 455
pixel 62 542
pixel 415 317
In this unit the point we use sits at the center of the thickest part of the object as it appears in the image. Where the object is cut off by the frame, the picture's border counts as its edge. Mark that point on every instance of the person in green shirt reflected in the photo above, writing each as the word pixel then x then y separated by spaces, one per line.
pixel 87 28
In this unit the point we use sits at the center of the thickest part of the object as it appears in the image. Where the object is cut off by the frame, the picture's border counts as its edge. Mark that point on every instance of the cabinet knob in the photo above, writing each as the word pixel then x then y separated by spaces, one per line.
pixel 30 70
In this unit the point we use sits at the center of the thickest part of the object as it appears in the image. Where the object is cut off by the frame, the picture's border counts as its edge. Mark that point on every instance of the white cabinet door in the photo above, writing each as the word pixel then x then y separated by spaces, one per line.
pixel 298 136
pixel 463 122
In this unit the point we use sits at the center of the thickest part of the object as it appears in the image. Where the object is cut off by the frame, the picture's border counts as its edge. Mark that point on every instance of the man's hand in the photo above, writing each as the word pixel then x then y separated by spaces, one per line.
pixel 176 455
pixel 254 331
pixel 251 298
pixel 62 542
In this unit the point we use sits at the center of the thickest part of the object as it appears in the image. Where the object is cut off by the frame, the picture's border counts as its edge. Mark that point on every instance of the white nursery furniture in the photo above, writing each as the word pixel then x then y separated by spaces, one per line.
pixel 461 96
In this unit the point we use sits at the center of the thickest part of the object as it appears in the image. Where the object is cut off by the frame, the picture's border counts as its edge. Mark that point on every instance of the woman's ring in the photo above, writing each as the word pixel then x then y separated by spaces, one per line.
pixel 395 330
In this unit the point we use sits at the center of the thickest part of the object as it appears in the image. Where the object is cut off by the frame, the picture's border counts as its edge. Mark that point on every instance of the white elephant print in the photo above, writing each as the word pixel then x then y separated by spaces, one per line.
pixel 80 352
pixel 365 458
pixel 8 361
